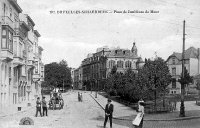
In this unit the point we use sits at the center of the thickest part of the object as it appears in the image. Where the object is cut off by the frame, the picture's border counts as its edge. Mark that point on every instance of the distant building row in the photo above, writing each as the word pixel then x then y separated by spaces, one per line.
pixel 96 67
pixel 21 68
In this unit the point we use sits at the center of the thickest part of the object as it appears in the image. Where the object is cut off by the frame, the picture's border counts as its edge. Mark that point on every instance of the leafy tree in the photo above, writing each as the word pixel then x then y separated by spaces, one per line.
pixel 153 78
pixel 187 78
pixel 150 80
pixel 57 74
pixel 198 86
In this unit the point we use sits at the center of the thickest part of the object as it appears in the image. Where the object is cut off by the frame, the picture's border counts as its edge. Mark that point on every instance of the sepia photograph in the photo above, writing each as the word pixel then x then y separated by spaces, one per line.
pixel 99 64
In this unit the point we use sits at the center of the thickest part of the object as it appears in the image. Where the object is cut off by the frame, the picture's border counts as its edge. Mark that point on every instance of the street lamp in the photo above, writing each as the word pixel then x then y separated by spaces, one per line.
pixel 182 108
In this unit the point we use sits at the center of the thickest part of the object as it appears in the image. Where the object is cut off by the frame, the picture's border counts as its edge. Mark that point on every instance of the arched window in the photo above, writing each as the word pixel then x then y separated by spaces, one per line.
pixel 120 64
pixel 111 63
pixel 128 64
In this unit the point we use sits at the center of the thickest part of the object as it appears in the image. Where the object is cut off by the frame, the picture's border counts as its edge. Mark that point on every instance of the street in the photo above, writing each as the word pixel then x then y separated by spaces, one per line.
pixel 86 114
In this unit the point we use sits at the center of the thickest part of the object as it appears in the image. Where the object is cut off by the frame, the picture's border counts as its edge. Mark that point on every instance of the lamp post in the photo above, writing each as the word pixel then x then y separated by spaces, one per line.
pixel 182 108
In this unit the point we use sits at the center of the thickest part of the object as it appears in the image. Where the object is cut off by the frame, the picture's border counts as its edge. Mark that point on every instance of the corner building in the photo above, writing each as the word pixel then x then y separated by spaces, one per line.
pixel 20 57
pixel 97 66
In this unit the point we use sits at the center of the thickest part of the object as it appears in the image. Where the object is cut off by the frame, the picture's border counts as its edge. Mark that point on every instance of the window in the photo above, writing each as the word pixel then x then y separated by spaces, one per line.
pixel 16 17
pixel 4 32
pixel 36 68
pixel 128 64
pixel 111 63
pixel 10 12
pixel 120 64
pixel 9 72
pixel 173 71
pixel 173 83
pixel 20 50
pixel 10 41
pixel 3 45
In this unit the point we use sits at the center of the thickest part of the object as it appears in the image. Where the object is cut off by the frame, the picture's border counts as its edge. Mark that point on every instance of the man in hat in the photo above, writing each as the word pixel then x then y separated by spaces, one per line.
pixel 44 106
pixel 108 113
pixel 38 107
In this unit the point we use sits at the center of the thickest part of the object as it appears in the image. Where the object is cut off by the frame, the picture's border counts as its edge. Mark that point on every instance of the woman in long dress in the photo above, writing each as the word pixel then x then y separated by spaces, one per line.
pixel 141 110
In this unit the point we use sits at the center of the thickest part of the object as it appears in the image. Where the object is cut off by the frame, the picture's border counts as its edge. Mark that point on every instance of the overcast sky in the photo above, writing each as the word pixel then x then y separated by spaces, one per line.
pixel 73 36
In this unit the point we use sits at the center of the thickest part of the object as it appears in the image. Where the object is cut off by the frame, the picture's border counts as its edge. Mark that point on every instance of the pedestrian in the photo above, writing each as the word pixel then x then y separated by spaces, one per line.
pixel 79 97
pixel 44 106
pixel 53 102
pixel 38 107
pixel 140 114
pixel 108 113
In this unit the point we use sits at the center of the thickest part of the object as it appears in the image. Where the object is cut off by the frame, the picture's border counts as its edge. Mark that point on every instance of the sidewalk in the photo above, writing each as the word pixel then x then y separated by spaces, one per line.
pixel 12 110
pixel 122 112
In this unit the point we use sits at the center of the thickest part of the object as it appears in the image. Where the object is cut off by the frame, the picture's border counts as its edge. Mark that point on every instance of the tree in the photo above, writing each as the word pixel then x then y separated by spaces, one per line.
pixel 187 78
pixel 154 78
pixel 57 74
pixel 114 70
pixel 198 86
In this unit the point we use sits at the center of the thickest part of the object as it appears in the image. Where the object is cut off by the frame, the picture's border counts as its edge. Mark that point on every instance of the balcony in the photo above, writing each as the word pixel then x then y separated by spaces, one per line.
pixel 18 61
pixel 19 33
pixel 6 54
pixel 7 21
pixel 30 63
pixel 36 77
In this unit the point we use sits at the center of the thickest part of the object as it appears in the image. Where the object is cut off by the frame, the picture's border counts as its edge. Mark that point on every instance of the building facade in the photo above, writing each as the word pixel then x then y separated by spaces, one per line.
pixel 97 66
pixel 192 64
pixel 21 68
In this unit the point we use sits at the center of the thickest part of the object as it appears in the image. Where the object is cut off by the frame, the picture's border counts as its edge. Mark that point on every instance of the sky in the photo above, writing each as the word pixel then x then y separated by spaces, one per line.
pixel 72 36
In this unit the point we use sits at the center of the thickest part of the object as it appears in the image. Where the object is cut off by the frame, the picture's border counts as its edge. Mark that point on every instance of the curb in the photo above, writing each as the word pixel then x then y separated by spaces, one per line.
pixel 173 119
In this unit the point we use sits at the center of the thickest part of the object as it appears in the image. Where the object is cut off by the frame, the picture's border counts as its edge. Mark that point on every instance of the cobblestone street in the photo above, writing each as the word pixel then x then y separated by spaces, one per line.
pixel 87 114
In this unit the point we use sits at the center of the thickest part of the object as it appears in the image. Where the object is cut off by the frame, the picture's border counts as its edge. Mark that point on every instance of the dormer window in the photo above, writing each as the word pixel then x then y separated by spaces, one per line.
pixel 124 52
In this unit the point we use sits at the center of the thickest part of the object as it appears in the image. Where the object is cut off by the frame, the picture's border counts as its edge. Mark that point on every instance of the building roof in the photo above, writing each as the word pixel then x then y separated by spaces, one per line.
pixel 29 18
pixel 189 53
pixel 120 53
pixel 37 33
pixel 15 5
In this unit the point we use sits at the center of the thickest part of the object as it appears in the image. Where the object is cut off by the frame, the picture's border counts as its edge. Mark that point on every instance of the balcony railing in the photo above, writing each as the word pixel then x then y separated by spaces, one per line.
pixel 7 21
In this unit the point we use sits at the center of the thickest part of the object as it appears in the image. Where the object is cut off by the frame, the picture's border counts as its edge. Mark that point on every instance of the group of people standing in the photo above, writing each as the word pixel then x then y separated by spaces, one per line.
pixel 41 106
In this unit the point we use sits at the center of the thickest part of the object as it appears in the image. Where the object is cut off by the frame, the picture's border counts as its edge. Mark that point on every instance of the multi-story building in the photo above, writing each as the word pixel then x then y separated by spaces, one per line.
pixel 192 64
pixel 97 66
pixel 9 17
pixel 76 78
pixel 21 68
pixel 72 76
